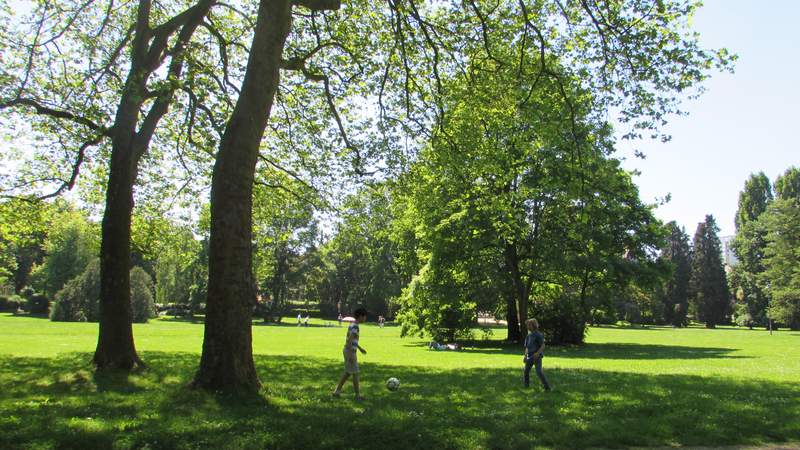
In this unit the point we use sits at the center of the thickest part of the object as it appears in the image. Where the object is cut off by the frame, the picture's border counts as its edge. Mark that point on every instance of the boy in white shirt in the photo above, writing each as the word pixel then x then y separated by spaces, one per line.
pixel 350 355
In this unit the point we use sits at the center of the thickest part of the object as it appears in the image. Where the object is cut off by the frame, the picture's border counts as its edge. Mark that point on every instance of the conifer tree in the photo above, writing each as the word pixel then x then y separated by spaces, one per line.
pixel 708 285
pixel 675 294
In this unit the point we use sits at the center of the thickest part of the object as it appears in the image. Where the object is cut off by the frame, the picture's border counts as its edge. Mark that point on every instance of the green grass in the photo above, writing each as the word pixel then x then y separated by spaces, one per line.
pixel 626 387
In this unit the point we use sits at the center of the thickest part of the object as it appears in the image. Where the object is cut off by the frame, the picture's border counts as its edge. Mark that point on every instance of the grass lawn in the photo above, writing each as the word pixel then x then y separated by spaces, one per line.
pixel 626 387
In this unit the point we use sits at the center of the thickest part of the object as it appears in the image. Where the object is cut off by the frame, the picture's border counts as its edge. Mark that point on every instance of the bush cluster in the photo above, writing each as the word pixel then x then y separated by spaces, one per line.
pixel 35 303
pixel 11 303
pixel 560 320
pixel 79 300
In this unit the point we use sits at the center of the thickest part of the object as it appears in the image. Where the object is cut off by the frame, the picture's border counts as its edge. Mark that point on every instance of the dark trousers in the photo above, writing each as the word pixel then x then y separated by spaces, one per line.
pixel 526 377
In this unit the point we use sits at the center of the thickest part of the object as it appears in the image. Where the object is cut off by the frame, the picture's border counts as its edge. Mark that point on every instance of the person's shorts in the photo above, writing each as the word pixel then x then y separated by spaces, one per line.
pixel 350 361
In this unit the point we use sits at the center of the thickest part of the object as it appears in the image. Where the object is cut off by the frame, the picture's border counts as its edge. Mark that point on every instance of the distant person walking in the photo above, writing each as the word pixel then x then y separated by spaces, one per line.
pixel 534 353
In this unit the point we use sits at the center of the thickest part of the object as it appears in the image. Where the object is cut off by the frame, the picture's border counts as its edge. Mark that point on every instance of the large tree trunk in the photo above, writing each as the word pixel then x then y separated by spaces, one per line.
pixel 227 360
pixel 115 347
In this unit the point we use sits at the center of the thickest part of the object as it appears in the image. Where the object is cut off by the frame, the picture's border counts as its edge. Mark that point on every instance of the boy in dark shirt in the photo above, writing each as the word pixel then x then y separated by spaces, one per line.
pixel 534 352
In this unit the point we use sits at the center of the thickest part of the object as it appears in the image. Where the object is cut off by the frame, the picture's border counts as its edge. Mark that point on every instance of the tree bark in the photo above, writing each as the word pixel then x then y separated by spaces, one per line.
pixel 511 319
pixel 115 346
pixel 227 360
pixel 512 262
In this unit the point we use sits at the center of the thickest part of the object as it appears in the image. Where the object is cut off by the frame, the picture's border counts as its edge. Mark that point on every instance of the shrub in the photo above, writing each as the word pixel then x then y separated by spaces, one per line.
pixel 561 320
pixel 79 300
pixel 27 293
pixel 10 303
pixel 142 302
pixel 38 304
pixel 435 304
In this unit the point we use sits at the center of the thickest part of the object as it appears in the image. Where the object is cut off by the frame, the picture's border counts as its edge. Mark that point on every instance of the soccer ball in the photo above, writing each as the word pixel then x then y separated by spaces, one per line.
pixel 392 384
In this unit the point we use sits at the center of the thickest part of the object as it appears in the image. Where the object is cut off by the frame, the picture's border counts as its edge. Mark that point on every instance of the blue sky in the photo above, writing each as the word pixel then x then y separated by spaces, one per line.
pixel 745 122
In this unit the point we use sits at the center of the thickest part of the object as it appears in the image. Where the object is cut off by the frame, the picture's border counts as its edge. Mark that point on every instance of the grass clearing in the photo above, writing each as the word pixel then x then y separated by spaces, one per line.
pixel 625 387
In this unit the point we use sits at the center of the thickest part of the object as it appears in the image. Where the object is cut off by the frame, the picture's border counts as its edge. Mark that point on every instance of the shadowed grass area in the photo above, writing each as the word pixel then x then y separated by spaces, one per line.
pixel 624 388
pixel 59 403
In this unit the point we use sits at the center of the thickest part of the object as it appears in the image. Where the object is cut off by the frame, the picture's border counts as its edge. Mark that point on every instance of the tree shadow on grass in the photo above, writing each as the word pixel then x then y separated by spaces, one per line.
pixel 289 324
pixel 466 408
pixel 609 350
pixel 198 320
pixel 613 350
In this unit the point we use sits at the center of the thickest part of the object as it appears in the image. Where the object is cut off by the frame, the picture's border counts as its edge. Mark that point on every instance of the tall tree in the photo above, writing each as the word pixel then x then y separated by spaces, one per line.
pixel 749 244
pixel 708 286
pixel 782 255
pixel 127 118
pixel 675 293
pixel 227 359
pixel 782 262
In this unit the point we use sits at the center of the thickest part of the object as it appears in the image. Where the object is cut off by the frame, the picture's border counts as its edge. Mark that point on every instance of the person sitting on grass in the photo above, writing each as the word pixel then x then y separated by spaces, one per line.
pixel 534 352
pixel 350 355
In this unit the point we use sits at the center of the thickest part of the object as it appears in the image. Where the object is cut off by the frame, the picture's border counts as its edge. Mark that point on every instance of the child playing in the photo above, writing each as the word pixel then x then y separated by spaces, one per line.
pixel 534 352
pixel 350 355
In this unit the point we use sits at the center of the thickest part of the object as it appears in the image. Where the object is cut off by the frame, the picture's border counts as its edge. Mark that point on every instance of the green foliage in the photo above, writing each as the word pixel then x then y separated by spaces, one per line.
pixel 708 285
pixel 177 267
pixel 38 304
pixel 71 244
pixel 24 225
pixel 674 294
pixel 753 199
pixel 787 186
pixel 560 315
pixel 142 303
pixel 782 260
pixel 11 303
pixel 357 265
pixel 514 203
pixel 79 299
pixel 435 304
pixel 284 231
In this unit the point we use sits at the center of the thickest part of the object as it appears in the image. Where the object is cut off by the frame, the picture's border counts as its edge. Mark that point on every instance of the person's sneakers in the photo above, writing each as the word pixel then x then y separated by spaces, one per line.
pixel 336 393
pixel 359 398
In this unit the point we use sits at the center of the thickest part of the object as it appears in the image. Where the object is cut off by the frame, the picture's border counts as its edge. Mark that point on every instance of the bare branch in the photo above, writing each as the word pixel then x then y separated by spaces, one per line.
pixel 291 192
pixel 76 167
pixel 56 113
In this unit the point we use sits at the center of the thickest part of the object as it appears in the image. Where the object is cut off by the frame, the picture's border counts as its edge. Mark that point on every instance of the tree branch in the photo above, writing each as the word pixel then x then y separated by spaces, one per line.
pixel 319 5
pixel 56 113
